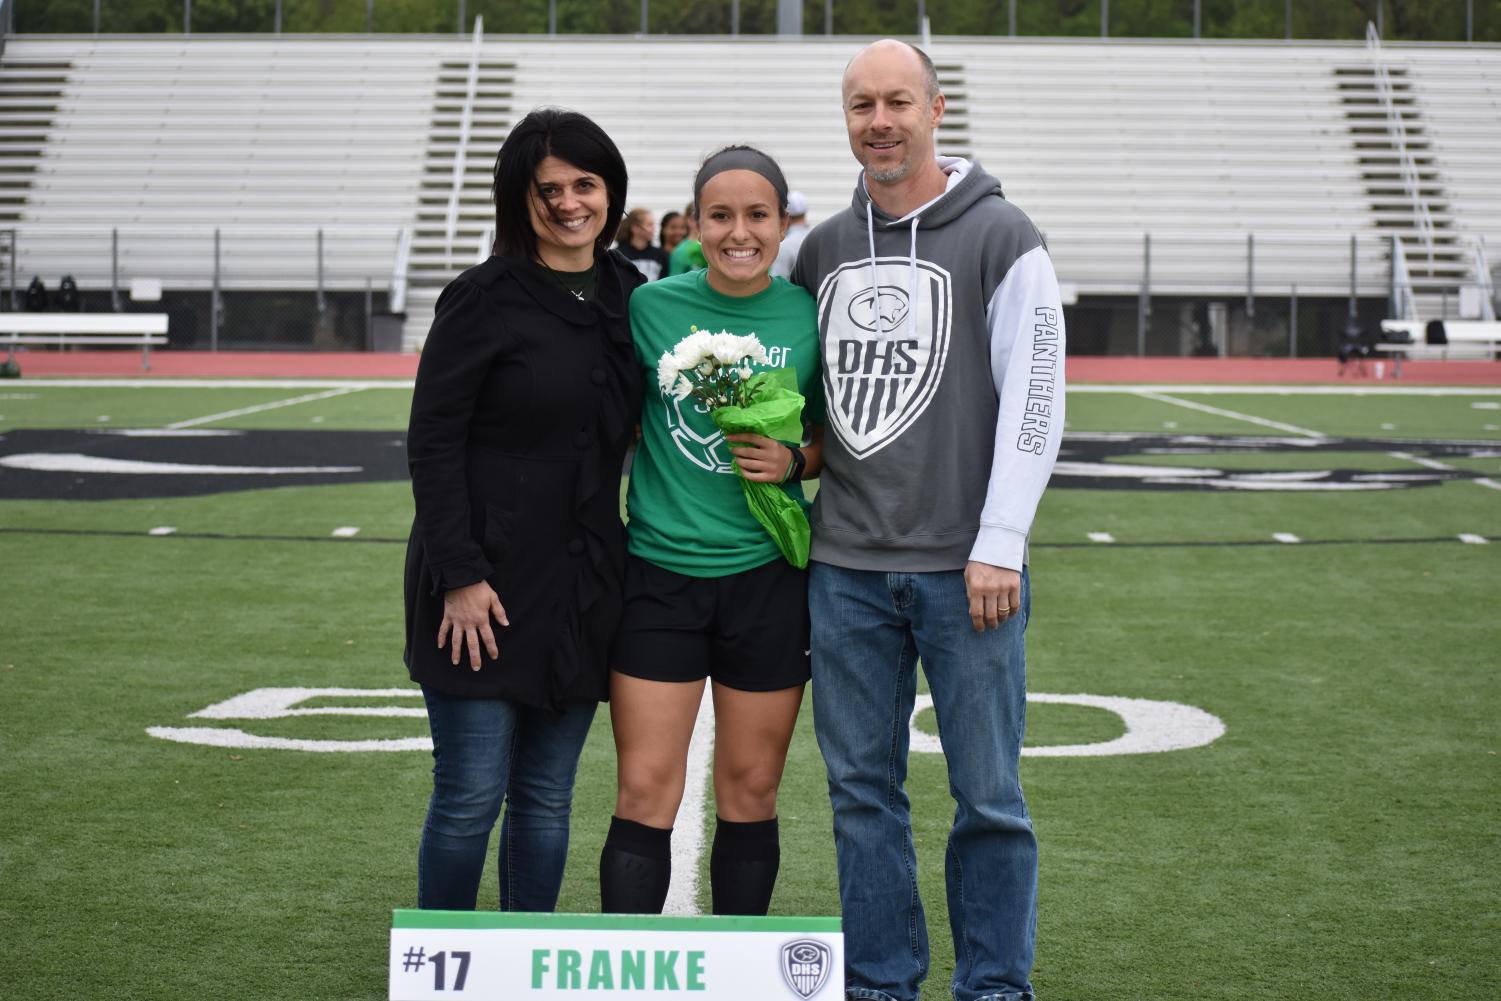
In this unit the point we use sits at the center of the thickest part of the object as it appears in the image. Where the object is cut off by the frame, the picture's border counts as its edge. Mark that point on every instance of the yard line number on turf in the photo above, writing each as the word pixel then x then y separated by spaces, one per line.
pixel 1151 726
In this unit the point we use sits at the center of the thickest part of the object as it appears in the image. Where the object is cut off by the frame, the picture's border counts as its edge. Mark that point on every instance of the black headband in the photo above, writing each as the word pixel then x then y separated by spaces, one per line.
pixel 741 158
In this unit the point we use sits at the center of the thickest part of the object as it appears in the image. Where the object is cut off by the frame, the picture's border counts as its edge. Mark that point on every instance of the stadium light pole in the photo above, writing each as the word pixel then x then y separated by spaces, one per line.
pixel 734 17
pixel 1011 18
pixel 1469 20
pixel 1198 16
pixel 1104 18
pixel 828 17
pixel 644 4
pixel 187 17
pixel 1287 19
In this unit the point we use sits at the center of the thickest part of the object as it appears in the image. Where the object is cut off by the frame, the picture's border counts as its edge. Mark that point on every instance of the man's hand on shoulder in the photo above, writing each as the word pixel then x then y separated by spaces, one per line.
pixel 995 594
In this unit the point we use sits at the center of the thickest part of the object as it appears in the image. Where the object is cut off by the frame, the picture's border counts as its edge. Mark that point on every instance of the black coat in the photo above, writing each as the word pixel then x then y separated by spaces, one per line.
pixel 526 400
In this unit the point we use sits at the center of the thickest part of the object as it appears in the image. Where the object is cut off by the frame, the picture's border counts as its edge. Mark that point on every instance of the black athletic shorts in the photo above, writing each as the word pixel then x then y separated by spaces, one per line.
pixel 747 631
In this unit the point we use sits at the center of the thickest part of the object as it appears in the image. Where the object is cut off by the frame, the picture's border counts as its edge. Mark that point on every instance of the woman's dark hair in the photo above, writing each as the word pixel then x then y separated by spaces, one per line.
pixel 570 137
pixel 662 227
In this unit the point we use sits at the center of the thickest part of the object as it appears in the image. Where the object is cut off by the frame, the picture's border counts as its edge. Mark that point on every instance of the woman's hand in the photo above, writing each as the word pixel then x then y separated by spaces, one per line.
pixel 762 459
pixel 467 612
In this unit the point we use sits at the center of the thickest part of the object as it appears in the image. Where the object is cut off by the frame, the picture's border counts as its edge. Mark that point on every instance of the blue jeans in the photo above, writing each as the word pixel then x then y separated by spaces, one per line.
pixel 869 629
pixel 486 751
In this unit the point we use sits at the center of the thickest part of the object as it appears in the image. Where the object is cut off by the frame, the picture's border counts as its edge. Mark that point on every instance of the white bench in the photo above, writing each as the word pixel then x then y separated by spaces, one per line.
pixel 1469 340
pixel 129 329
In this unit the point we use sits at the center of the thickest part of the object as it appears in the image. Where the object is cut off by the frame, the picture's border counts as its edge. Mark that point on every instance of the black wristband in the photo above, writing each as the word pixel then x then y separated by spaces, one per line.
pixel 799 463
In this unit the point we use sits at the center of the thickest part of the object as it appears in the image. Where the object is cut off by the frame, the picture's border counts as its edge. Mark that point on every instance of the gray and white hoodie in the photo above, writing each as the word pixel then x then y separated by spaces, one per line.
pixel 942 337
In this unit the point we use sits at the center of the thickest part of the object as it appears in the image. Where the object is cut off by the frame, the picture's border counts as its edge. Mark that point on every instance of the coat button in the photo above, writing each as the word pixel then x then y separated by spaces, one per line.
pixel 576 547
pixel 581 439
pixel 597 377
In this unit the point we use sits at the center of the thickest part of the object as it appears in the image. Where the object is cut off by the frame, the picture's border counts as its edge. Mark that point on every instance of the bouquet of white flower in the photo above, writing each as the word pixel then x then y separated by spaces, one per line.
pixel 715 369
pixel 712 368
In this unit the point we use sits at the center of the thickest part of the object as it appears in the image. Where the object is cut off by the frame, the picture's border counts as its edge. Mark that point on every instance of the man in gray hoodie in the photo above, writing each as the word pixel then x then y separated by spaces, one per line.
pixel 942 337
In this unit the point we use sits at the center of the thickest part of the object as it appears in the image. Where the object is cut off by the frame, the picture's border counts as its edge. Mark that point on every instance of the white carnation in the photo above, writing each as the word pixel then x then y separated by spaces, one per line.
pixel 728 349
pixel 668 372
pixel 692 350
pixel 684 388
pixel 752 348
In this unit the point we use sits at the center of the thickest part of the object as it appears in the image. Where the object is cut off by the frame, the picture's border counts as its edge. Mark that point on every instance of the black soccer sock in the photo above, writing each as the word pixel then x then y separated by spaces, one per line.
pixel 634 868
pixel 743 866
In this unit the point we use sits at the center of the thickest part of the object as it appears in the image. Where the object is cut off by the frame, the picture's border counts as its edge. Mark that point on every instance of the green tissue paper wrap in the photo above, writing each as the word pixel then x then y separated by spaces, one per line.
pixel 776 411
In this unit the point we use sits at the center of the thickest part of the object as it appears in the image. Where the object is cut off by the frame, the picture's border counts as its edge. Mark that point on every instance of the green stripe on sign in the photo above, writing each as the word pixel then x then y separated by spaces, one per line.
pixel 607 922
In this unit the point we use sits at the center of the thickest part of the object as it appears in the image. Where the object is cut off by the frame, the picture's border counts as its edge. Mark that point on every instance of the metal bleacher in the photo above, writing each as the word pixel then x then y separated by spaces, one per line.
pixel 1221 152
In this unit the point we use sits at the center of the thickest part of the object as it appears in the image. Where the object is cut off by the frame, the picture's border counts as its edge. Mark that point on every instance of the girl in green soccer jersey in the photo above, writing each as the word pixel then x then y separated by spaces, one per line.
pixel 708 597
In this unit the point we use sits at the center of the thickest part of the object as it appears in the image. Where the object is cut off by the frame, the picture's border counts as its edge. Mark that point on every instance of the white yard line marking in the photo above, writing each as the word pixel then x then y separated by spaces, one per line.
pixel 1295 390
pixel 1101 537
pixel 1441 467
pixel 1083 387
pixel 1474 540
pixel 1286 537
pixel 346 532
pixel 259 407
pixel 688 829
pixel 162 530
pixel 233 384
pixel 1249 418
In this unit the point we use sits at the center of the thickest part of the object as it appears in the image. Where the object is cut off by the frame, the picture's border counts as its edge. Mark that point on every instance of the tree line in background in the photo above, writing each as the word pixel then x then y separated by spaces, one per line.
pixel 1404 20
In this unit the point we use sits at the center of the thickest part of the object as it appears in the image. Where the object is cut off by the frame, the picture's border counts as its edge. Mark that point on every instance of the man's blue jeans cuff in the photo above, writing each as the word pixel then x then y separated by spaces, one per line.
pixel 865 994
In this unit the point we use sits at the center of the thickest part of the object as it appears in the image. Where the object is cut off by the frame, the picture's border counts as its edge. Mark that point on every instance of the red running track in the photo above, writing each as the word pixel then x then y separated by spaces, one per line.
pixel 353 365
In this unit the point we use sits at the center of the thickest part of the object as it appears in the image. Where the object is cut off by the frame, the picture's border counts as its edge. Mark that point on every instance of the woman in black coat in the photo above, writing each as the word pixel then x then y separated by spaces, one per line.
pixel 525 401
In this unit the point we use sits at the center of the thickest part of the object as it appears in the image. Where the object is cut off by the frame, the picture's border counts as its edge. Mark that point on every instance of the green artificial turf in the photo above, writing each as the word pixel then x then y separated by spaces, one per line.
pixel 1337 842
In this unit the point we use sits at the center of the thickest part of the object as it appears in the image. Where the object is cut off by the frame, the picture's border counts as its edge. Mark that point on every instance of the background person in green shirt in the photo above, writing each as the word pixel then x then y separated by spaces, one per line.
pixel 708 595
pixel 687 254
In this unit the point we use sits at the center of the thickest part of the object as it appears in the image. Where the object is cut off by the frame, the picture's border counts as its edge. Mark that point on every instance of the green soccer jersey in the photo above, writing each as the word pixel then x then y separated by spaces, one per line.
pixel 687 509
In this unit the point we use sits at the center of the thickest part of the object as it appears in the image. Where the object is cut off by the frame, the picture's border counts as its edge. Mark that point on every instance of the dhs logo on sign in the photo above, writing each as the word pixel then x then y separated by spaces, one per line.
pixel 805 966
pixel 885 341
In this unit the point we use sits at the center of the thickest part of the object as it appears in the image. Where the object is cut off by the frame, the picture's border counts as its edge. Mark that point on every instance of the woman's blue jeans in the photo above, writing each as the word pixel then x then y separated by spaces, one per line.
pixel 485 752
pixel 869 630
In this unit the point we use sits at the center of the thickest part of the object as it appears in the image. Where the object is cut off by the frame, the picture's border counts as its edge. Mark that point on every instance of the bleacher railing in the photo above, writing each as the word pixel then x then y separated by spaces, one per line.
pixel 233 286
pixel 466 122
pixel 1396 127
pixel 1485 284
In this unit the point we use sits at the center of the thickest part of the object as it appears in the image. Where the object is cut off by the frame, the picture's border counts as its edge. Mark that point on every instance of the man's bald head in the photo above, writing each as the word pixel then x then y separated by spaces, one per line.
pixel 891 52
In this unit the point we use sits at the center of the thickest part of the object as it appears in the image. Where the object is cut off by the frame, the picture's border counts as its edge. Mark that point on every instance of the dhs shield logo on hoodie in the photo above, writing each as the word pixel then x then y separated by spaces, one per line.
pixel 805 966
pixel 886 339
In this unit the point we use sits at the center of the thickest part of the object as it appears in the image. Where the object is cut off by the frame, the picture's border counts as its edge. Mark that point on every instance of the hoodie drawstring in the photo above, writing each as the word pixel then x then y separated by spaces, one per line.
pixel 912 282
pixel 875 283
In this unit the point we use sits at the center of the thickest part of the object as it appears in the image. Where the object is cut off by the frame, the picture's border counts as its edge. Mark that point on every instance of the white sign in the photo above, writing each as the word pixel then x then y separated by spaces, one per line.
pixel 488 956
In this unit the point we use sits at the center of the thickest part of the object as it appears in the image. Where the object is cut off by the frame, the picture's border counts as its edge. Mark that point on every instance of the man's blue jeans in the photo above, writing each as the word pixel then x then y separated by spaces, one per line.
pixel 485 752
pixel 869 629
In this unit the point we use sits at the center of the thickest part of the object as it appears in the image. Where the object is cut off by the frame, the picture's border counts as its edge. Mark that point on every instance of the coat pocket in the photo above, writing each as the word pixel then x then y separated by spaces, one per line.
pixel 499 536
